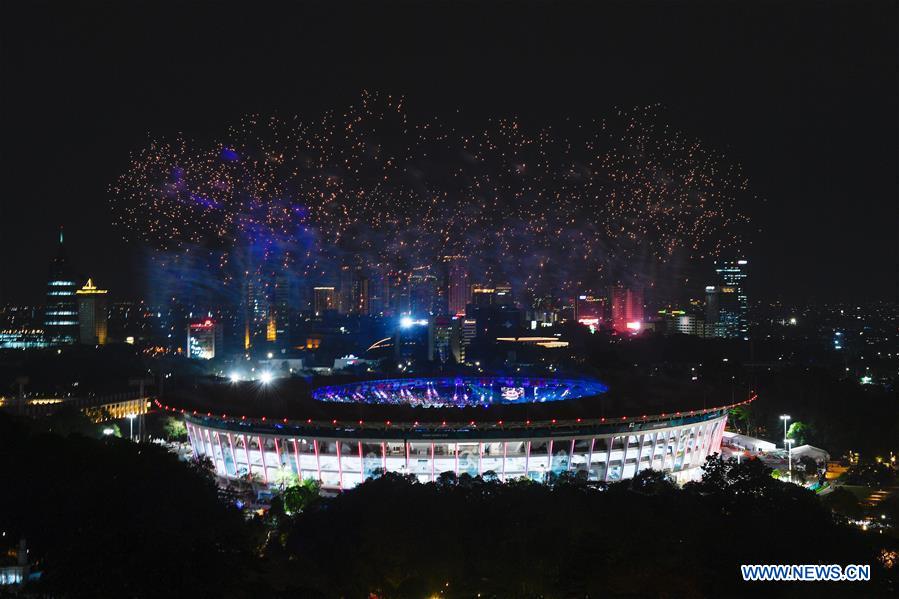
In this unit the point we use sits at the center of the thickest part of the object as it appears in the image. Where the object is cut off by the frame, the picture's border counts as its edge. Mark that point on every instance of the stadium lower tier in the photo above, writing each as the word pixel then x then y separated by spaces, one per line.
pixel 342 460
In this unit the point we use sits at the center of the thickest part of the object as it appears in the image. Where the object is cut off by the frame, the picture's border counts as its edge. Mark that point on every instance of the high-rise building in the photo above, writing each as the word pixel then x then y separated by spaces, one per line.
pixel 92 314
pixel 504 295
pixel 458 288
pixel 422 292
pixel 323 299
pixel 589 309
pixel 482 296
pixel 354 296
pixel 280 311
pixel 467 331
pixel 204 338
pixel 378 291
pixel 440 337
pixel 627 309
pixel 727 304
pixel 61 312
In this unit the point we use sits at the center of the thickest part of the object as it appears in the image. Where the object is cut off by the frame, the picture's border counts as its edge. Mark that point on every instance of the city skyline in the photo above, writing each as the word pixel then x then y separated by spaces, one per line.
pixel 823 209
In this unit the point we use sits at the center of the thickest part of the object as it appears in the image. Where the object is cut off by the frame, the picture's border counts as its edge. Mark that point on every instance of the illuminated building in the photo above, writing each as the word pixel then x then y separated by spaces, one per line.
pixel 280 315
pixel 61 313
pixel 344 434
pixel 482 296
pixel 411 339
pixel 422 292
pixel 503 295
pixel 92 314
pixel 353 297
pixel 727 305
pixel 440 338
pixel 378 291
pixel 680 321
pixel 458 288
pixel 204 338
pixel 627 309
pixel 323 299
pixel 589 310
pixel 22 338
pixel 468 330
pixel 271 329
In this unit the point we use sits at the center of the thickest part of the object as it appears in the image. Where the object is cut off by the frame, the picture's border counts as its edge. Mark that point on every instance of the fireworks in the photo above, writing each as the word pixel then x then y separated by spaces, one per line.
pixel 547 208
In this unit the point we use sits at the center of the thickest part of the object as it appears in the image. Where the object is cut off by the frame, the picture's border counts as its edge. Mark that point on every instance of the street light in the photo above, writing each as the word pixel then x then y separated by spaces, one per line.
pixel 789 444
pixel 785 418
pixel 130 418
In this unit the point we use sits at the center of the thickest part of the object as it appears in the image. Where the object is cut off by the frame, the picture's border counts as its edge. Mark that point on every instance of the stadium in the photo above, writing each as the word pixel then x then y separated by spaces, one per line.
pixel 507 427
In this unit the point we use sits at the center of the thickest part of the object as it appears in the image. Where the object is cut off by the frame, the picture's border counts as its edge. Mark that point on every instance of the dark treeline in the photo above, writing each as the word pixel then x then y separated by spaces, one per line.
pixel 638 538
pixel 106 518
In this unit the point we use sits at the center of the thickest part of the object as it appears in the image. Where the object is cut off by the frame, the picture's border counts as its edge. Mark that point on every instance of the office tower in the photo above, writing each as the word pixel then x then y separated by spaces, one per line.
pixel 440 338
pixel 353 291
pixel 397 293
pixel 627 309
pixel 257 309
pixel 345 289
pixel 92 314
pixel 673 321
pixel 458 288
pixel 467 331
pixel 61 312
pixel 378 291
pixel 482 296
pixel 503 295
pixel 722 312
pixel 727 304
pixel 280 308
pixel 589 309
pixel 422 292
pixel 323 299
pixel 204 338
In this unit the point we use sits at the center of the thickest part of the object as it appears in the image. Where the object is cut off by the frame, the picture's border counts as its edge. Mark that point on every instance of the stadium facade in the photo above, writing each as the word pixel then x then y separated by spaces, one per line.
pixel 499 440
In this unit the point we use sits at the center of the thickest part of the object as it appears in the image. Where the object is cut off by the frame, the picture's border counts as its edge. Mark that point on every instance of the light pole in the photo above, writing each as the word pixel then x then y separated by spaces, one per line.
pixel 130 418
pixel 789 444
pixel 785 418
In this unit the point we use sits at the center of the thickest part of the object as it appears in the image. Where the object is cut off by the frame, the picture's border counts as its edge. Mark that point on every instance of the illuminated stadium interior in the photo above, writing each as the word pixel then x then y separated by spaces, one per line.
pixel 459 392
pixel 508 427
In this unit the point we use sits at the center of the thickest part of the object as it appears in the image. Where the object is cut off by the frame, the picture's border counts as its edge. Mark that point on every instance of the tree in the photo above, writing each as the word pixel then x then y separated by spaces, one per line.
pixel 300 495
pixel 799 431
pixel 743 415
pixel 175 429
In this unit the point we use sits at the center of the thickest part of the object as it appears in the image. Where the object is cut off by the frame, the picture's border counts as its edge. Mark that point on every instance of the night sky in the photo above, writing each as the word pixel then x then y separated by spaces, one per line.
pixel 803 94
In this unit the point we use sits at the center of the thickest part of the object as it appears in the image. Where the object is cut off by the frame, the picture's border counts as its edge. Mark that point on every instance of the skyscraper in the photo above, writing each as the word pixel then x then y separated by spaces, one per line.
pixel 61 313
pixel 323 298
pixel 627 309
pixel 727 304
pixel 354 297
pixel 378 291
pixel 204 338
pixel 92 314
pixel 504 295
pixel 458 288
pixel 422 292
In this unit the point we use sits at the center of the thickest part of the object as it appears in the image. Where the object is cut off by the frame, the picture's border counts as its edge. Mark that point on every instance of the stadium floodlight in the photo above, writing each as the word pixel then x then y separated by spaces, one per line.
pixel 789 444
pixel 785 418
pixel 266 377
pixel 235 377
pixel 131 418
